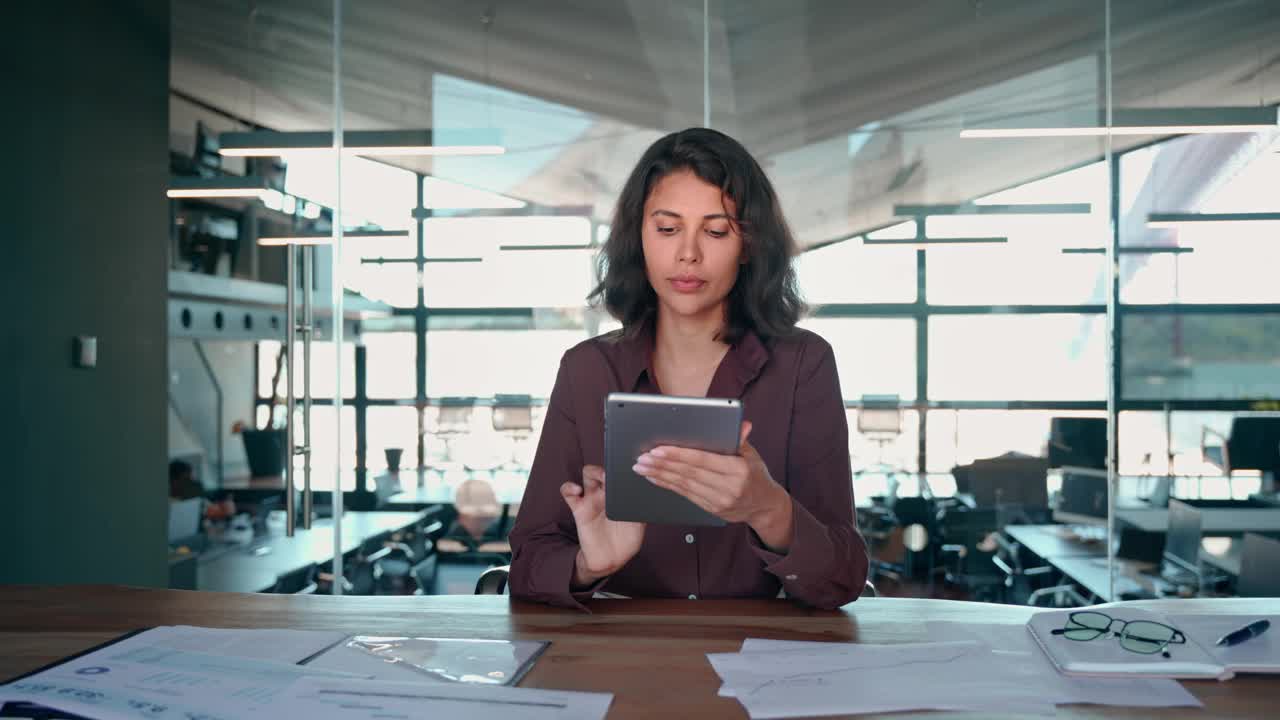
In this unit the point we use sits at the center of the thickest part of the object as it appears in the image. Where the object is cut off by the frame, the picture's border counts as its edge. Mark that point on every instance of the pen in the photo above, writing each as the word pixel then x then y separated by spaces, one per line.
pixel 1252 630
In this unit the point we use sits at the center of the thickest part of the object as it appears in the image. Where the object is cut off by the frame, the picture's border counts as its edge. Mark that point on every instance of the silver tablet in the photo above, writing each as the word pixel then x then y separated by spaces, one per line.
pixel 635 424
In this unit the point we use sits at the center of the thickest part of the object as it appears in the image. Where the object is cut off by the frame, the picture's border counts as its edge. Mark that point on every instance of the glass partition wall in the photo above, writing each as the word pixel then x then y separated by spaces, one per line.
pixel 1008 213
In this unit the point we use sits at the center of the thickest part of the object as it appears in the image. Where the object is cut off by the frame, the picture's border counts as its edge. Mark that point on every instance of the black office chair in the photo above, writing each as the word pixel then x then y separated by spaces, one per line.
pixel 396 574
pixel 970 545
pixel 360 569
pixel 477 534
pixel 298 582
pixel 916 520
pixel 493 581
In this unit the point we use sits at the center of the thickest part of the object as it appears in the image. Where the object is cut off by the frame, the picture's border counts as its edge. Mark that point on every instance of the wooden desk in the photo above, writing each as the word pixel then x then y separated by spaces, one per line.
pixel 244 570
pixel 650 653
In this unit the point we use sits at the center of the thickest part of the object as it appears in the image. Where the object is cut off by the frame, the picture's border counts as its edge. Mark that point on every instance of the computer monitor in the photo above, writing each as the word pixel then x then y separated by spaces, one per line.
pixel 1161 490
pixel 1083 497
pixel 205 156
pixel 1140 545
pixel 1254 443
pixel 1078 442
pixel 184 519
pixel 1006 480
pixel 1182 540
pixel 272 170
pixel 1258 562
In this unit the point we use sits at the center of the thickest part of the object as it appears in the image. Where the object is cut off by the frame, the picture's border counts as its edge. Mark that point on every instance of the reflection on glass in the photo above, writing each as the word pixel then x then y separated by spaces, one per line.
pixel 1201 356
pixel 509 278
pixel 1235 175
pixel 874 356
pixel 958 437
pixel 483 363
pixel 393 284
pixel 1017 357
pixel 849 272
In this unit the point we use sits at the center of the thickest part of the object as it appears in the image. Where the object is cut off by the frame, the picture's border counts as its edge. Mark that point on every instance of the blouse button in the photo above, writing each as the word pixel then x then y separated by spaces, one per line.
pixel 689 538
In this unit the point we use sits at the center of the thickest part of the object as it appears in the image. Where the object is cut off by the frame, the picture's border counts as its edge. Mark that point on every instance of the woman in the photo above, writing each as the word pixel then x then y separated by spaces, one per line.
pixel 697 268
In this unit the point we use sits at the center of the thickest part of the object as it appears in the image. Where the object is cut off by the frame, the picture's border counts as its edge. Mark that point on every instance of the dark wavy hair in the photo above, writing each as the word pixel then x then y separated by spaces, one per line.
pixel 765 298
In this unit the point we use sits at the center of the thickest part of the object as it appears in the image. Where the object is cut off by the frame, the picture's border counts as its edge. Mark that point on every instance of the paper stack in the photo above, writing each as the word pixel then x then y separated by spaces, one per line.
pixel 992 668
pixel 219 674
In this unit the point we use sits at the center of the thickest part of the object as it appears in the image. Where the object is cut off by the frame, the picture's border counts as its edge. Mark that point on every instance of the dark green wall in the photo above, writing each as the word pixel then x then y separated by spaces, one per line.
pixel 83 453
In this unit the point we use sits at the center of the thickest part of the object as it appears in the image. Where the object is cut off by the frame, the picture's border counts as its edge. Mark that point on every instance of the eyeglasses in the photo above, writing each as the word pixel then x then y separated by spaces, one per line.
pixel 1140 636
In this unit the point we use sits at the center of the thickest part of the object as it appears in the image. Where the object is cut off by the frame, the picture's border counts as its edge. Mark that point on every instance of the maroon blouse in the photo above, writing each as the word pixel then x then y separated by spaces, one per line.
pixel 791 393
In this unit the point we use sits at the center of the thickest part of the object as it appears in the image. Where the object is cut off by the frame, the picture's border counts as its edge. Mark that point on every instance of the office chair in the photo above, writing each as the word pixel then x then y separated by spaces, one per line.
pixel 361 572
pixel 493 581
pixel 969 540
pixel 880 421
pixel 1005 480
pixel 473 536
pixel 513 417
pixel 298 582
pixel 396 569
pixel 452 419
pixel 913 540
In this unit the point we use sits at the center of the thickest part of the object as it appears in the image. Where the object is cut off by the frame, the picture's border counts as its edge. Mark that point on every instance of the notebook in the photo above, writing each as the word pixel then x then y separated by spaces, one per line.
pixel 1259 655
pixel 1197 658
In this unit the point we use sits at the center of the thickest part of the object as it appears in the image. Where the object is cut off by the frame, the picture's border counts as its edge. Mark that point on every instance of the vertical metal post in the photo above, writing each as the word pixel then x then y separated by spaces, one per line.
pixel 339 577
pixel 217 389
pixel 922 370
pixel 290 333
pixel 420 330
pixel 706 64
pixel 308 330
pixel 1113 317
pixel 361 404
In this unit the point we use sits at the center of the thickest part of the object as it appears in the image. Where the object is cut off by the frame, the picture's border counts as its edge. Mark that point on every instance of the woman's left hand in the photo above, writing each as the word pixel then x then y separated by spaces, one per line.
pixel 735 488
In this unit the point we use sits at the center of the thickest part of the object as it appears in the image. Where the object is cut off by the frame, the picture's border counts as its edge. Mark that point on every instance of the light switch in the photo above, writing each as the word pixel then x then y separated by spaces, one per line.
pixel 84 351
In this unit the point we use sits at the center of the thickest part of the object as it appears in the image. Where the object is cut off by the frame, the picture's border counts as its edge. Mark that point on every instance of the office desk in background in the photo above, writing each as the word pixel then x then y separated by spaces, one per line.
pixel 1053 541
pixel 1213 521
pixel 650 653
pixel 1085 562
pixel 252 570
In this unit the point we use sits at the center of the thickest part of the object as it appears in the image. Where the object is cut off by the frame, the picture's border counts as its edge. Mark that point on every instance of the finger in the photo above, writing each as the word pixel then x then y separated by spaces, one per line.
pixel 693 495
pixel 648 465
pixel 572 494
pixel 714 462
pixel 592 477
pixel 745 448
pixel 707 495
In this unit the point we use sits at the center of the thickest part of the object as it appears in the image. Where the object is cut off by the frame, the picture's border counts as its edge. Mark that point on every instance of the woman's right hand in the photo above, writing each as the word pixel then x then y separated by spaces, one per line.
pixel 604 545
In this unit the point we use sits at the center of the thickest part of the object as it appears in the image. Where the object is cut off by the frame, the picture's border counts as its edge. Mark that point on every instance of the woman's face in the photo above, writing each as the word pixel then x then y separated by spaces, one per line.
pixel 692 251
